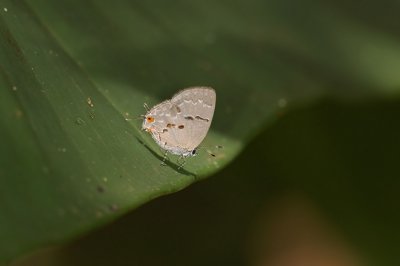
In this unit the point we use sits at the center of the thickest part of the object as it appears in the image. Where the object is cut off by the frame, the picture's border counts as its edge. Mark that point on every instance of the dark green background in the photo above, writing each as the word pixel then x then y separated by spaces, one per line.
pixel 68 170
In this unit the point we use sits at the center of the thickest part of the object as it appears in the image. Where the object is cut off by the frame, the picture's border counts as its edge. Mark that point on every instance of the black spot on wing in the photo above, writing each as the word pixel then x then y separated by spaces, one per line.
pixel 188 117
pixel 201 118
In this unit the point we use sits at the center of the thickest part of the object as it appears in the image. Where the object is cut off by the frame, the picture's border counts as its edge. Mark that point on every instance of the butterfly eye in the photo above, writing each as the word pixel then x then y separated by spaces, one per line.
pixel 150 119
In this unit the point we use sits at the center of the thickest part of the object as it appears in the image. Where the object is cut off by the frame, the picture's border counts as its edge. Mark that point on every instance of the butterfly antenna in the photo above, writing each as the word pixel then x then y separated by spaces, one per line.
pixel 140 117
pixel 146 107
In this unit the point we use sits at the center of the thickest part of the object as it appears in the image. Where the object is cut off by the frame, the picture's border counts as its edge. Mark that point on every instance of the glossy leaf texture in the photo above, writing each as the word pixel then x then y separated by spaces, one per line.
pixel 75 75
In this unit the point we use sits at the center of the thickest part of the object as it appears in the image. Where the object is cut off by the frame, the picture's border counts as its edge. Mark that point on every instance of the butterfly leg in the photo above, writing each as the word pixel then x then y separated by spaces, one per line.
pixel 181 161
pixel 165 157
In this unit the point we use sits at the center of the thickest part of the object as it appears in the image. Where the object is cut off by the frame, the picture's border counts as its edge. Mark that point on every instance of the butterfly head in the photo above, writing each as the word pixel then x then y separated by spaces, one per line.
pixel 148 121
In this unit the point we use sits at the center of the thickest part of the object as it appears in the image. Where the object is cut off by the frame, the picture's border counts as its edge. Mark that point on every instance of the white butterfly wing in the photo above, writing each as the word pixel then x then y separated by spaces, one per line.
pixel 182 123
pixel 197 107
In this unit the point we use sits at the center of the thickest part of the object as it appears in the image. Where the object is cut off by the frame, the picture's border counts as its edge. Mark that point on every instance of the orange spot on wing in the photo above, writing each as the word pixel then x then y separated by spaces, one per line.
pixel 150 119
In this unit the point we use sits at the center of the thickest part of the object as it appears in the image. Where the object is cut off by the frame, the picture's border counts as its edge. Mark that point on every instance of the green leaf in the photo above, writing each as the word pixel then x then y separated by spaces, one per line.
pixel 68 167
pixel 328 192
